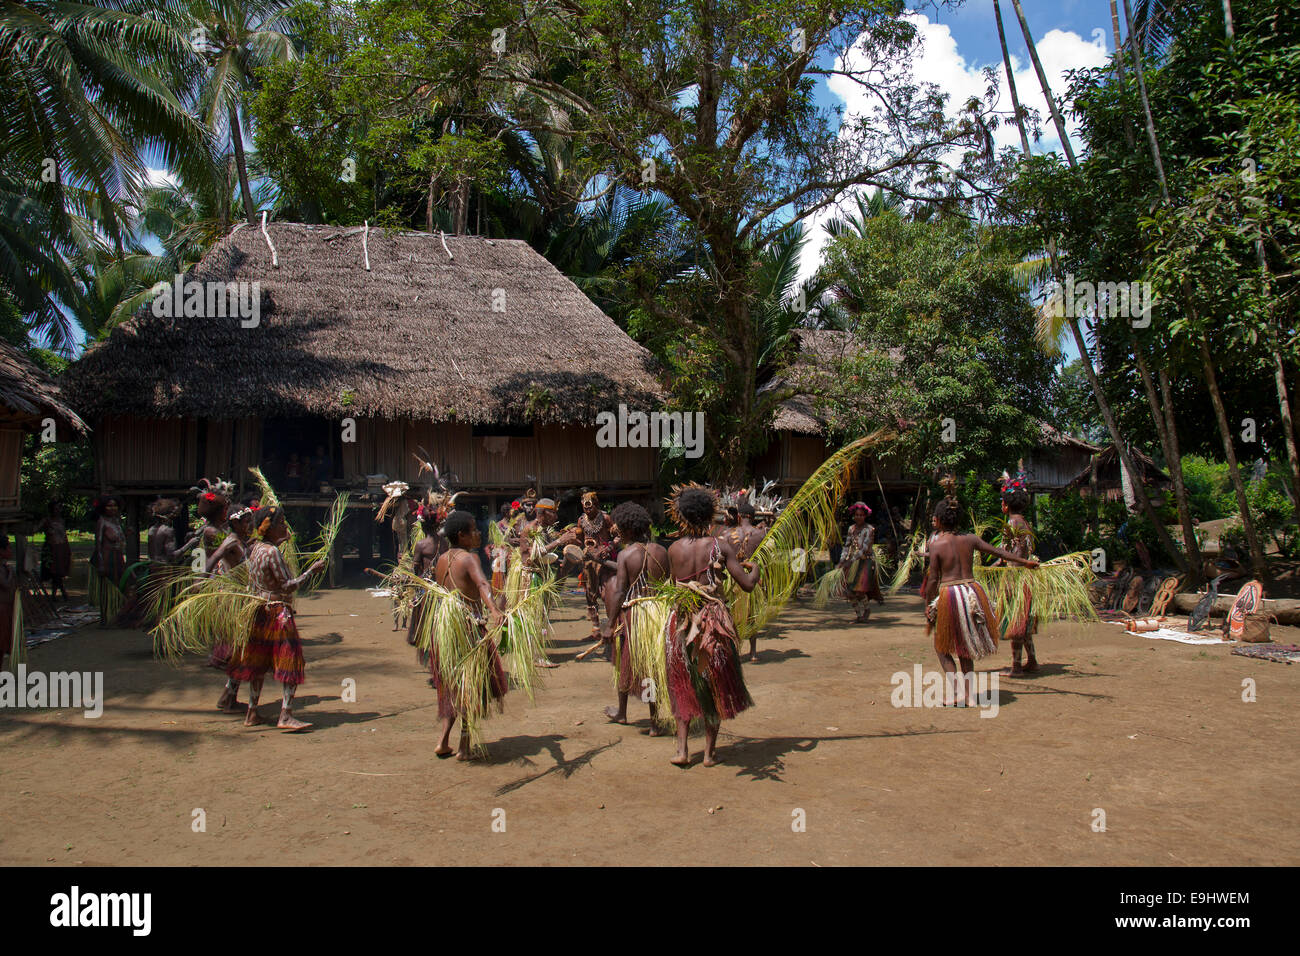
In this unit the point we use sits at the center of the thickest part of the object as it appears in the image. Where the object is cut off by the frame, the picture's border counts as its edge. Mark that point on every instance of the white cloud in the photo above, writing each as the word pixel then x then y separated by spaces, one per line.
pixel 159 177
pixel 939 61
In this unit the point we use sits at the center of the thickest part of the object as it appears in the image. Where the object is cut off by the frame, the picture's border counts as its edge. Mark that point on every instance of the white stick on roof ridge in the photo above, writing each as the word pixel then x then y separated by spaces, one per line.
pixel 275 259
pixel 365 244
pixel 443 236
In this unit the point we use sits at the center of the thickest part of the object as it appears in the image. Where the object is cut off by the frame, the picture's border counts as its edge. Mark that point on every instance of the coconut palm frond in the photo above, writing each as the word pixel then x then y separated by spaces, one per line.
pixel 212 610
pixel 646 620
pixel 910 559
pixel 831 584
pixel 322 548
pixel 523 635
pixel 1058 588
pixel 805 525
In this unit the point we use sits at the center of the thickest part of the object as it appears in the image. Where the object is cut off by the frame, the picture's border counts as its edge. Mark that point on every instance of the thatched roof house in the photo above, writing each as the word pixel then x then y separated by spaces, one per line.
pixel 29 401
pixel 1109 483
pixel 476 350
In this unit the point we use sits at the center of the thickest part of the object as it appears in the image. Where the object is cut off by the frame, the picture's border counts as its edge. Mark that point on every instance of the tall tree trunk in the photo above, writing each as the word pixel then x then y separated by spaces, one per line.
pixel 1175 460
pixel 1257 561
pixel 1011 78
pixel 428 203
pixel 1042 81
pixel 241 166
pixel 1169 448
pixel 1161 412
pixel 1107 414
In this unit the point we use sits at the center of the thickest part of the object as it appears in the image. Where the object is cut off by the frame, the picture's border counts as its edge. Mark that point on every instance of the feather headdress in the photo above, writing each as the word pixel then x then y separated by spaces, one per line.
pixel 396 491
pixel 686 526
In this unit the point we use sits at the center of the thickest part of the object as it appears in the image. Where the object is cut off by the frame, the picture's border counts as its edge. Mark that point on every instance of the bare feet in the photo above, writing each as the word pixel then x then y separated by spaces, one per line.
pixel 230 704
pixel 710 760
pixel 615 715
pixel 752 658
pixel 289 723
pixel 443 751
pixel 543 662
pixel 1031 665
pixel 1015 670
pixel 681 760
pixel 252 717
pixel 654 729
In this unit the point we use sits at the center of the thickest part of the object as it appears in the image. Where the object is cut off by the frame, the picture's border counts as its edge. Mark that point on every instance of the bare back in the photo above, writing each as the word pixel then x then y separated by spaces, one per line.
pixel 458 569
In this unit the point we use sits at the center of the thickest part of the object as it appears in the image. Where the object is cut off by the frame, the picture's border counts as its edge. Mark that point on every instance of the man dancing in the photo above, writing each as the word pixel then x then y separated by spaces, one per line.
pixel 958 611
pixel 597 548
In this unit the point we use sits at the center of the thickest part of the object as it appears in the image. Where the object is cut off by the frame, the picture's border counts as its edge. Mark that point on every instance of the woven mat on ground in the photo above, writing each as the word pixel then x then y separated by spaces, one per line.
pixel 68 619
pixel 1282 653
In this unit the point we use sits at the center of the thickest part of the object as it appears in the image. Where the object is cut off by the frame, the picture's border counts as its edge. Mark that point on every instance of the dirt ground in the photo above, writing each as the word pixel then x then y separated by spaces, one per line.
pixel 1153 733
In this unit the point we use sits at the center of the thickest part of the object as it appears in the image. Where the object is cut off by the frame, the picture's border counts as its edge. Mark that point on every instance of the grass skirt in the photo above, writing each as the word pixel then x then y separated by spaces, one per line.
pixel 452 701
pixel 964 625
pixel 104 594
pixel 273 645
pixel 1024 624
pixel 704 675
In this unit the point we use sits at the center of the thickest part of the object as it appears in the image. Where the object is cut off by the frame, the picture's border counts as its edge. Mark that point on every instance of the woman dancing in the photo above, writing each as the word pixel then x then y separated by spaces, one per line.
pixel 705 681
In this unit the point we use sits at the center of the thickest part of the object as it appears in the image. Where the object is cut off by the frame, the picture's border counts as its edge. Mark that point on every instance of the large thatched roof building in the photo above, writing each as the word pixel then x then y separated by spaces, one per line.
pixel 29 402
pixel 478 351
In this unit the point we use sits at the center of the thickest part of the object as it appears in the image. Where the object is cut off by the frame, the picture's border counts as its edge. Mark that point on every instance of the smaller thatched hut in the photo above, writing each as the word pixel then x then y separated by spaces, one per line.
pixel 29 402
pixel 1104 480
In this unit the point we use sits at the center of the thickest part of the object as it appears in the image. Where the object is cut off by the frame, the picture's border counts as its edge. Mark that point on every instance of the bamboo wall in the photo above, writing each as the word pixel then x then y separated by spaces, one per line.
pixel 11 463
pixel 165 454
pixel 159 453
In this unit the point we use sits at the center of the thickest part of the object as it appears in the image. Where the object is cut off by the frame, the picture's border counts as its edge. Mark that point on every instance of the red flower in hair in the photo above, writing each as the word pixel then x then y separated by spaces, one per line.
pixel 209 496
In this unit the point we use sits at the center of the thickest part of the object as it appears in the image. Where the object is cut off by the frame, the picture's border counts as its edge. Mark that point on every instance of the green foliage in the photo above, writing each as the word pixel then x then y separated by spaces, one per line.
pixel 50 471
pixel 946 333
pixel 1062 521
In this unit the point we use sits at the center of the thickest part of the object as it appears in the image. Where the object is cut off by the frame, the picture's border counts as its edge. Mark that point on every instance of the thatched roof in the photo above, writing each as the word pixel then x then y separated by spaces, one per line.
pixel 29 393
pixel 1052 436
pixel 819 352
pixel 1108 470
pixel 415 337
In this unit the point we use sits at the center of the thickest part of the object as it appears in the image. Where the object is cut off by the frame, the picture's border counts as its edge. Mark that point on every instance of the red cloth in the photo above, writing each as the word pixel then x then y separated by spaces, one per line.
pixel 273 645
pixel 704 676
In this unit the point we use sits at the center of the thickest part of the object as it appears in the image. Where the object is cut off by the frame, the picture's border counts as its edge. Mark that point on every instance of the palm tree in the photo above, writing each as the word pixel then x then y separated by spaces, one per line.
pixel 82 86
pixel 1053 327
pixel 1207 360
pixel 1011 77
pixel 239 37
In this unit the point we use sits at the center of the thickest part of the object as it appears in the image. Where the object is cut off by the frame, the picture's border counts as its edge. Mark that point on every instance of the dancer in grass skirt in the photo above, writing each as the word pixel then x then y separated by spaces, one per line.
pixel 1018 538
pixel 705 680
pixel 858 559
pixel 635 631
pixel 229 555
pixel 108 560
pixel 273 643
pixel 958 612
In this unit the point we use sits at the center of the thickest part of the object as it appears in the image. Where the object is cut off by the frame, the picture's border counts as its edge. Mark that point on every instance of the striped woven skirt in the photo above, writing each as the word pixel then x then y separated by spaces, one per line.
pixel 964 625
pixel 273 645
pixel 704 675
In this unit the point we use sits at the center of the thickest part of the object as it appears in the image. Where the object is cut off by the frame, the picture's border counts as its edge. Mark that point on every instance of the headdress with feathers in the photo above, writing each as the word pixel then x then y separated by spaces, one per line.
pixel 686 526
